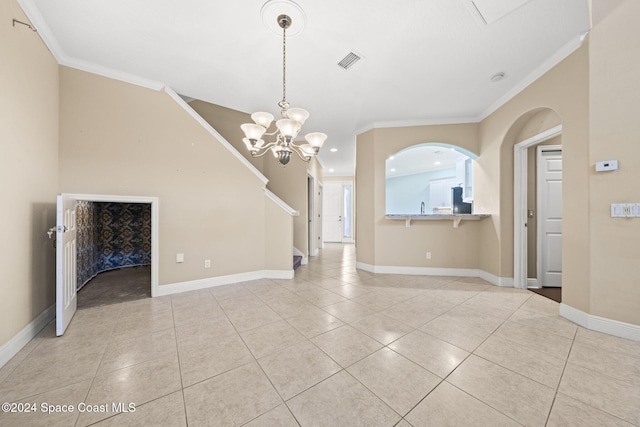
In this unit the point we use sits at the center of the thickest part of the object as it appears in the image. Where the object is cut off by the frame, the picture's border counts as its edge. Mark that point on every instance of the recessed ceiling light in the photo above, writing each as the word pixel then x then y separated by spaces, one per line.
pixel 333 150
pixel 437 163
pixel 331 170
pixel 498 76
pixel 392 170
pixel 391 158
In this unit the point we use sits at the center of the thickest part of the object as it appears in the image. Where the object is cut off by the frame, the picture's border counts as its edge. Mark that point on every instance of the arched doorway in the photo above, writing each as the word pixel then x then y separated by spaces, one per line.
pixel 539 126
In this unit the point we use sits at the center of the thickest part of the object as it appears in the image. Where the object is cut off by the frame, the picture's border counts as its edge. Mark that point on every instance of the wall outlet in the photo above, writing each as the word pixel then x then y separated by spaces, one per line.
pixel 428 255
pixel 207 263
pixel 179 257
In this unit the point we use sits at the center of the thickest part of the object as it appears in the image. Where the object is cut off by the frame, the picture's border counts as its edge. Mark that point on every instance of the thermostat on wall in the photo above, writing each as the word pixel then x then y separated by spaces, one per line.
pixel 607 165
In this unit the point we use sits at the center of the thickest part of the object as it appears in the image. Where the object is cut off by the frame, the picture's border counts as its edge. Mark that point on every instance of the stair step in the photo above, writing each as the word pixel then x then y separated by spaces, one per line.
pixel 297 261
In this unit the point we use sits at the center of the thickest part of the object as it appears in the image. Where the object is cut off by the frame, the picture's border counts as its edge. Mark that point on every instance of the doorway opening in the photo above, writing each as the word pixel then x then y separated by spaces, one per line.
pixel 538 212
pixel 338 212
pixel 113 252
pixel 110 238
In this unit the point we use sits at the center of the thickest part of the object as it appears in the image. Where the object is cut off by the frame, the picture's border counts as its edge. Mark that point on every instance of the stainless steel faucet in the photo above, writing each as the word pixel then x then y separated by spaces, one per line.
pixel 422 208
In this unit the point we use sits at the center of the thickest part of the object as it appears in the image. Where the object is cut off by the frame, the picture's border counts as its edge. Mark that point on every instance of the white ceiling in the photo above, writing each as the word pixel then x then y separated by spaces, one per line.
pixel 424 61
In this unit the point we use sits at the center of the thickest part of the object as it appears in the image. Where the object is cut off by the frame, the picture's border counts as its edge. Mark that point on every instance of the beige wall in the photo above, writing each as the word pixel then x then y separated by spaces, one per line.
pixel 279 237
pixel 116 138
pixel 287 182
pixel 450 247
pixel 614 86
pixel 227 122
pixel 28 172
pixel 365 201
pixel 562 92
pixel 290 184
pixel 564 89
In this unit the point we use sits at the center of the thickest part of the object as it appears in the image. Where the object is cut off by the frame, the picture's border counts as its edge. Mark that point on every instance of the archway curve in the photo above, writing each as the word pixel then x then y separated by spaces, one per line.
pixel 419 178
pixel 457 148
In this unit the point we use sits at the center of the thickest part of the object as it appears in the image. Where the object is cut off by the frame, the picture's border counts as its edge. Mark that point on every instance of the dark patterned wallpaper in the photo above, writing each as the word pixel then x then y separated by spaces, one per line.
pixel 111 236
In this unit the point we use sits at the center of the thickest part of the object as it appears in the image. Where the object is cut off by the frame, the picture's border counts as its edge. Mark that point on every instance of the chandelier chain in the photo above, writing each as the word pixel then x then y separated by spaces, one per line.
pixel 284 65
pixel 287 128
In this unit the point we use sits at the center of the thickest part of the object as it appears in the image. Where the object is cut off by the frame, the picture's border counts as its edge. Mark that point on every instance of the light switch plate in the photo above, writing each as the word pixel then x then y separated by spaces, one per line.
pixel 607 165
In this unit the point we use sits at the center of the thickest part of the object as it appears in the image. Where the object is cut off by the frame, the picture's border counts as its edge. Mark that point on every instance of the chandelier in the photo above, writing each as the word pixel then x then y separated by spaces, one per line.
pixel 287 127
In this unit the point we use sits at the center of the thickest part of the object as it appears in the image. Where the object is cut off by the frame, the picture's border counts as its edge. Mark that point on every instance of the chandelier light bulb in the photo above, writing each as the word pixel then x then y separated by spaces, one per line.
pixel 262 118
pixel 253 131
pixel 288 128
pixel 316 139
pixel 298 114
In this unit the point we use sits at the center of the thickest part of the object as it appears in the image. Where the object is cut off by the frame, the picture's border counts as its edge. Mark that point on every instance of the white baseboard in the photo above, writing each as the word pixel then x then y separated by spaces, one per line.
pixel 194 285
pixel 22 338
pixel 533 283
pixel 298 252
pixel 503 282
pixel 600 324
pixel 429 271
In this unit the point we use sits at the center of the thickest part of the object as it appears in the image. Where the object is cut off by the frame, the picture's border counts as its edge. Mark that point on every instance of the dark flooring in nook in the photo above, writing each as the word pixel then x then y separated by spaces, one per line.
pixel 551 293
pixel 115 286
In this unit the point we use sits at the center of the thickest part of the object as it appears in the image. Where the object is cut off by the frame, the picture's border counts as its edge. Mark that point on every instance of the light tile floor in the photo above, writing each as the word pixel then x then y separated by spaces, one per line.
pixel 332 347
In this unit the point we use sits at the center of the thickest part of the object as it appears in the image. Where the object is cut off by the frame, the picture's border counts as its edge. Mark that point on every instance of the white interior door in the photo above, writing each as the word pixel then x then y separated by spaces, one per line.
pixel 550 216
pixel 66 230
pixel 332 209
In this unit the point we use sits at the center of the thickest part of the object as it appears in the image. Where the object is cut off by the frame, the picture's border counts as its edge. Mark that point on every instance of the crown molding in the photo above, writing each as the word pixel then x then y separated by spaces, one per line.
pixel 36 18
pixel 561 54
pixel 538 72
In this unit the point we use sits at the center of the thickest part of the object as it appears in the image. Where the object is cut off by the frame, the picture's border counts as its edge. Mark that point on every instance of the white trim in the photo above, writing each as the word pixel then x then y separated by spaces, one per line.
pixel 520 202
pixel 562 53
pixel 412 123
pixel 288 209
pixel 111 73
pixel 503 282
pixel 38 21
pixel 155 226
pixel 311 214
pixel 600 324
pixel 211 282
pixel 22 338
pixel 429 271
pixel 34 15
pixel 298 252
pixel 215 133
pixel 533 284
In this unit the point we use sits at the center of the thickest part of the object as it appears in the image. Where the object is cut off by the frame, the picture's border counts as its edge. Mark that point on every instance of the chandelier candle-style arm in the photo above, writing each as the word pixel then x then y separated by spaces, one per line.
pixel 287 128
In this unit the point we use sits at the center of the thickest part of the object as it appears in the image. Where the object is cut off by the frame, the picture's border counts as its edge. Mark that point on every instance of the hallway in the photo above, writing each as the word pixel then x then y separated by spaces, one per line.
pixel 335 346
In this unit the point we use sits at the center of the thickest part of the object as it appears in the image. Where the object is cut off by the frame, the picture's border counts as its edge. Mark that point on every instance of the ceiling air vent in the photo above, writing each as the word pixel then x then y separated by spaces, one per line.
pixel 349 60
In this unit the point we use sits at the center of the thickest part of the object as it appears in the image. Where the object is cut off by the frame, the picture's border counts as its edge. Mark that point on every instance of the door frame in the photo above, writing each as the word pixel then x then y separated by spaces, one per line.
pixel 155 225
pixel 539 203
pixel 344 183
pixel 520 155
pixel 312 249
pixel 320 239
